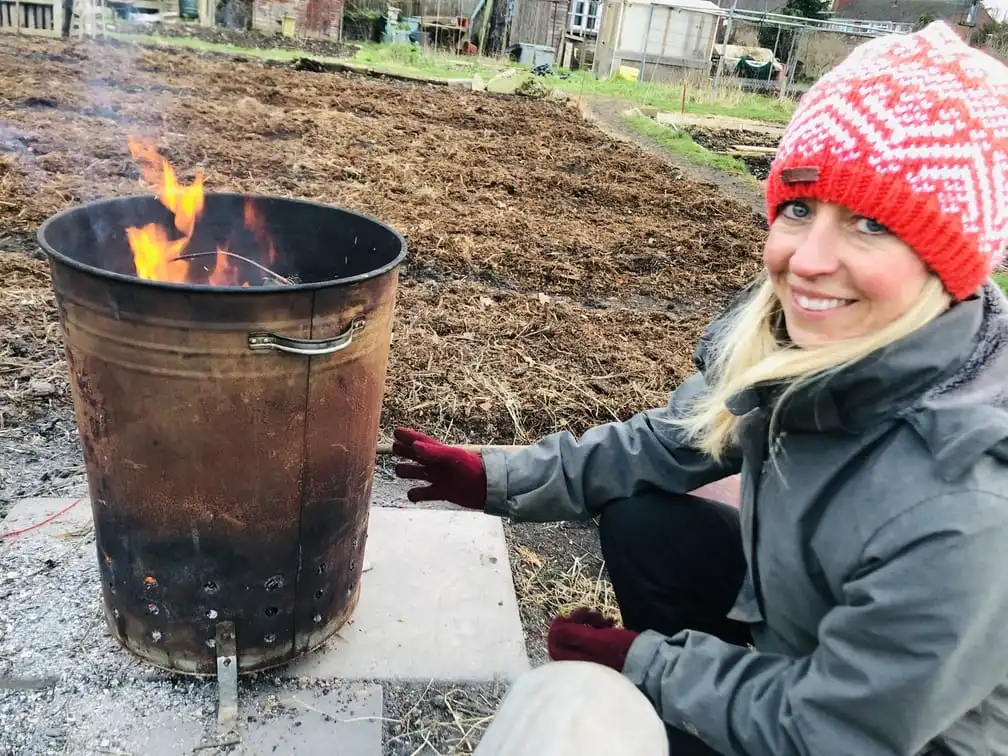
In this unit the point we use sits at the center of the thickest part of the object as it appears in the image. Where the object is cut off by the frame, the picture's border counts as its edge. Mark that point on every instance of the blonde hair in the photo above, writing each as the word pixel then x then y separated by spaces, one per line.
pixel 747 352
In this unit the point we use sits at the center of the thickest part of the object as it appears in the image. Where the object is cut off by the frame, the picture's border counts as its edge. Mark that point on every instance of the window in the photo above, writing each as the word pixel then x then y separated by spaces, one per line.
pixel 585 16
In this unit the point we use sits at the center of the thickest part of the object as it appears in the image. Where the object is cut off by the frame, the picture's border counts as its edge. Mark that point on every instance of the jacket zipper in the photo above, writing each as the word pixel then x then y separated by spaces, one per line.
pixel 775 448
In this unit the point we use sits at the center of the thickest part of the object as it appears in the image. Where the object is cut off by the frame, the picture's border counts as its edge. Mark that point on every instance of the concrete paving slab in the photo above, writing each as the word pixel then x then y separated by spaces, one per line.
pixel 438 602
pixel 437 599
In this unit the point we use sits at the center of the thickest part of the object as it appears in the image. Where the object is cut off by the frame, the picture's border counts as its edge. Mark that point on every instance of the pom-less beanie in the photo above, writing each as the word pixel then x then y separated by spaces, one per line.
pixel 911 131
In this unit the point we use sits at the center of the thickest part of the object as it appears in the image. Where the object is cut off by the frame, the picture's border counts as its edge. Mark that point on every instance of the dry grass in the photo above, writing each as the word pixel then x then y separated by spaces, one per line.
pixel 442 717
pixel 479 365
pixel 550 591
pixel 32 372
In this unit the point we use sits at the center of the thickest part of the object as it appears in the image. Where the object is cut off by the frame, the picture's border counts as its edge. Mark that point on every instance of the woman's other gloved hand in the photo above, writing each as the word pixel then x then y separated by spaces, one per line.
pixel 585 635
pixel 455 475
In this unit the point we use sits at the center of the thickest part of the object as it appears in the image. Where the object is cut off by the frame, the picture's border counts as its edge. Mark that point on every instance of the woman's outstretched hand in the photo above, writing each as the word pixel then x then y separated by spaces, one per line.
pixel 454 475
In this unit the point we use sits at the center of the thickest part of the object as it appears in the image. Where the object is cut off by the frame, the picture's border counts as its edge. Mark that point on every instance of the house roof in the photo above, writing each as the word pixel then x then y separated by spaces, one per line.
pixel 702 5
pixel 901 11
pixel 760 6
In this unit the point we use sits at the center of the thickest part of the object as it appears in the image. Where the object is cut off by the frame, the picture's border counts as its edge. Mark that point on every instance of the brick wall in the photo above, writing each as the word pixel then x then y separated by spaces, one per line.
pixel 313 17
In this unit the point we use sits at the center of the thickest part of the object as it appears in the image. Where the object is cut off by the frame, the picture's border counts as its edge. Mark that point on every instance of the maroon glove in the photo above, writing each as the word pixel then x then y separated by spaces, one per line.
pixel 585 635
pixel 454 474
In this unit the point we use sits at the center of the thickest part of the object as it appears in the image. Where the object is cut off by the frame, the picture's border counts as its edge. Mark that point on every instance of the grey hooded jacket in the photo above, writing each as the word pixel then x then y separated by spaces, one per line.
pixel 877 549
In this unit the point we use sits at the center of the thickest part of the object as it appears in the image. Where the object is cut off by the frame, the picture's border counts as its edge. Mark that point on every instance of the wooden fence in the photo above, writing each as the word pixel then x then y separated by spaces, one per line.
pixel 43 17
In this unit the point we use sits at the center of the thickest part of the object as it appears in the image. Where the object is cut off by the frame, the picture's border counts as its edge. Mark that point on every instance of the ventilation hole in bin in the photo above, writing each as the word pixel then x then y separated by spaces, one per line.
pixel 317 618
pixel 319 593
pixel 321 567
pixel 272 611
pixel 211 643
pixel 269 639
pixel 210 587
pixel 152 608
pixel 156 636
pixel 275 583
pixel 211 614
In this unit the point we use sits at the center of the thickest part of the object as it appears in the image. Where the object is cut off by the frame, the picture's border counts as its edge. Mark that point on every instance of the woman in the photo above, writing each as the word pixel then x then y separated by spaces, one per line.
pixel 857 601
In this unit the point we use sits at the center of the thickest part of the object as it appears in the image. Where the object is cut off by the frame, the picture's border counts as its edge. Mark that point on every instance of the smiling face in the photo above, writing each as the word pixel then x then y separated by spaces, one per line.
pixel 838 275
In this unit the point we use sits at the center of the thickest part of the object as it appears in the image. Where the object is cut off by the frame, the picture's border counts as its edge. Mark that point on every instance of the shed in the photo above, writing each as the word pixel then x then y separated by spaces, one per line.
pixel 312 18
pixel 661 38
pixel 539 22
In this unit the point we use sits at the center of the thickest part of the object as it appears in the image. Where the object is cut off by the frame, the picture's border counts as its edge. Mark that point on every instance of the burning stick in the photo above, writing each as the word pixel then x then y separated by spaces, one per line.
pixel 220 252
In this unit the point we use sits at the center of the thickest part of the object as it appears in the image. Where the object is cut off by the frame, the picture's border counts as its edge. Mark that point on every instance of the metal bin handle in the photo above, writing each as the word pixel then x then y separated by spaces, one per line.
pixel 263 341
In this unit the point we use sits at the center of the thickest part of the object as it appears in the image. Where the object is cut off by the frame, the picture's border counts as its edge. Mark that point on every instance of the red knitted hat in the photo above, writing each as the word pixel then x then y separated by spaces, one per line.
pixel 911 131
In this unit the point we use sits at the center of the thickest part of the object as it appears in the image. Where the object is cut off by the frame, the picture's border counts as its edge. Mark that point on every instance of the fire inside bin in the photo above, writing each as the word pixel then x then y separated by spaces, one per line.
pixel 227 357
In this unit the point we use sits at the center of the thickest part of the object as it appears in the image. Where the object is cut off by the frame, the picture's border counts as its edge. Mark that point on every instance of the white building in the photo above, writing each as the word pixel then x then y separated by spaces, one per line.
pixel 661 38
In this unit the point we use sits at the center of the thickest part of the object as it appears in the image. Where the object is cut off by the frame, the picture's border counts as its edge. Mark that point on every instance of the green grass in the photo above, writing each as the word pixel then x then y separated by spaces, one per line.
pixel 405 60
pixel 216 47
pixel 1002 280
pixel 730 101
pixel 409 59
pixel 680 143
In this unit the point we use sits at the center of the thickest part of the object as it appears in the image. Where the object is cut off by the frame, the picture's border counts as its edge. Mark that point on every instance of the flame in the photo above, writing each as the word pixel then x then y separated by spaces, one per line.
pixel 255 223
pixel 224 273
pixel 160 255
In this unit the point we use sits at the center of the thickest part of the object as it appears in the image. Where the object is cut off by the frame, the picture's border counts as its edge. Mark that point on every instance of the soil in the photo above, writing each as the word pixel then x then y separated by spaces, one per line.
pixel 558 276
pixel 725 140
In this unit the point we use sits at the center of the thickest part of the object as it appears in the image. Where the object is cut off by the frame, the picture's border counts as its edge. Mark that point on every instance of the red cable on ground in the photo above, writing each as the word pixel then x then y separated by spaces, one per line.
pixel 14 533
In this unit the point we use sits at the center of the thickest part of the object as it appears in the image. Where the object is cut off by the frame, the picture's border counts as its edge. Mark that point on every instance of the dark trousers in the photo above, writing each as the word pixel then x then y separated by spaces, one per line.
pixel 675 563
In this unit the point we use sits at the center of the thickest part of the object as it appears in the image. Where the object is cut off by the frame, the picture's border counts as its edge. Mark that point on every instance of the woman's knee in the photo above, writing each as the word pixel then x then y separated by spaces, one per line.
pixel 654 516
pixel 574 708
pixel 627 523
pixel 621 520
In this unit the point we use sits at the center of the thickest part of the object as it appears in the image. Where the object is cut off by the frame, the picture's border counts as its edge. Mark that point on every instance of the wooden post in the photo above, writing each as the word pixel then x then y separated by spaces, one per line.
pixel 487 12
pixel 437 24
